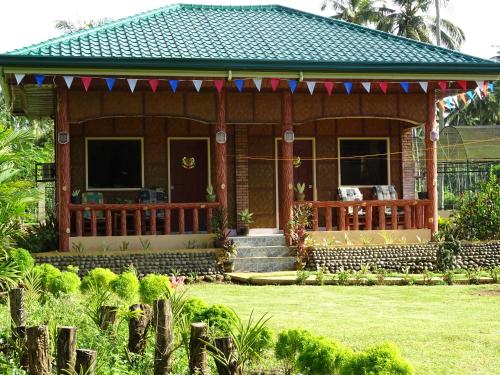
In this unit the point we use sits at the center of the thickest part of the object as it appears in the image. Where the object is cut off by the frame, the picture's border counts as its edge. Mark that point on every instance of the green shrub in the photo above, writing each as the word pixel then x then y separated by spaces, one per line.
pixel 322 356
pixel 289 345
pixel 41 237
pixel 154 287
pixel 383 359
pixel 263 341
pixel 22 258
pixel 126 286
pixel 193 307
pixel 99 278
pixel 65 283
pixel 47 273
pixel 218 317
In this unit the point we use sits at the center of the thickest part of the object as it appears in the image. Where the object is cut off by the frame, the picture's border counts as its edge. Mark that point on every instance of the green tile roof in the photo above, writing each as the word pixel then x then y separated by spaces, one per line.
pixel 265 37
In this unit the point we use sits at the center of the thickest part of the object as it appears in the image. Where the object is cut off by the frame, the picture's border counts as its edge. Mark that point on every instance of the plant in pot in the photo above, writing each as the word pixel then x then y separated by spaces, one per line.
pixel 299 191
pixel 229 251
pixel 301 220
pixel 211 196
pixel 220 227
pixel 246 218
pixel 75 197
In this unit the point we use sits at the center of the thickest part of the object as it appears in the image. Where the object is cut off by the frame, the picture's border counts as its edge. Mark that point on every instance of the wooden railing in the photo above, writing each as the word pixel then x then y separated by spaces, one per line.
pixel 368 215
pixel 141 218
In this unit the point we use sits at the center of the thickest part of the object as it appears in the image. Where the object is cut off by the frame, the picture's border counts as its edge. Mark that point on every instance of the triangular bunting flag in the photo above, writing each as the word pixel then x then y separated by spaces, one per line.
pixel 455 100
pixel 293 85
pixel 275 82
pixel 441 104
pixel 310 86
pixel 197 84
pixel 478 92
pixel 463 85
pixel 479 84
pixel 424 85
pixel 348 87
pixel 39 78
pixel 463 98
pixel 219 84
pixel 328 87
pixel 490 86
pixel 19 78
pixel 86 82
pixel 110 82
pixel 132 82
pixel 173 84
pixel 485 88
pixel 383 86
pixel 443 85
pixel 69 81
pixel 448 103
pixel 153 83
pixel 470 94
pixel 239 84
pixel 258 83
pixel 367 86
pixel 405 86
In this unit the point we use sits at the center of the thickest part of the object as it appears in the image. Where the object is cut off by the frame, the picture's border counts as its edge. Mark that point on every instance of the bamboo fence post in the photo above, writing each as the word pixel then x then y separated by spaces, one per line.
pixel 197 349
pixel 85 361
pixel 164 337
pixel 138 328
pixel 108 317
pixel 38 345
pixel 17 311
pixel 66 349
pixel 225 345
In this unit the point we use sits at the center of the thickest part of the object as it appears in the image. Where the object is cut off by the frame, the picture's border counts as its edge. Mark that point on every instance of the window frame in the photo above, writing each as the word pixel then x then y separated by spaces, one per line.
pixel 388 144
pixel 87 139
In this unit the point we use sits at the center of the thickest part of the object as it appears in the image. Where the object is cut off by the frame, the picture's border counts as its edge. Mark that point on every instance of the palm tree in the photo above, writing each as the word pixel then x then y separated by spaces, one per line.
pixel 69 27
pixel 410 18
pixel 361 12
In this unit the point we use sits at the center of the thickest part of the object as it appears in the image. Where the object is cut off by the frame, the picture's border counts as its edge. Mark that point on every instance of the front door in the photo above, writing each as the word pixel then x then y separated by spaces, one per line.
pixel 303 168
pixel 189 171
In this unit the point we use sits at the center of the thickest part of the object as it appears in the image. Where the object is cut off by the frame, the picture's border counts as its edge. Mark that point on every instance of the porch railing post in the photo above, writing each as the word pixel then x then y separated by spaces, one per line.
pixel 63 168
pixel 431 162
pixel 221 152
pixel 286 182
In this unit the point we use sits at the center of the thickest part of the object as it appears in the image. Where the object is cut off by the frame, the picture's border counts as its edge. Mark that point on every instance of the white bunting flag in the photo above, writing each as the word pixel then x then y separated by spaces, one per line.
pixel 480 84
pixel 197 84
pixel 132 82
pixel 19 78
pixel 311 85
pixel 367 86
pixel 478 92
pixel 68 80
pixel 424 85
pixel 258 83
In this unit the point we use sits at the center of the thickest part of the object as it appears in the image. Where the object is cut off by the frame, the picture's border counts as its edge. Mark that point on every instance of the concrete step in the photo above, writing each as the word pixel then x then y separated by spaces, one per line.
pixel 264 251
pixel 264 264
pixel 259 240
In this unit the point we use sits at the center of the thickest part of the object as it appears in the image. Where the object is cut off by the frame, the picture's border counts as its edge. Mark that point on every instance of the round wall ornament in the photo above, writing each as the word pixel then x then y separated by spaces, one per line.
pixel 221 137
pixel 288 136
pixel 188 162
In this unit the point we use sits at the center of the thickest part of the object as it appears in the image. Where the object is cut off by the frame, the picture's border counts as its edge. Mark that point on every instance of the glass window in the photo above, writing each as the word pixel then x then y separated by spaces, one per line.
pixel 364 162
pixel 114 163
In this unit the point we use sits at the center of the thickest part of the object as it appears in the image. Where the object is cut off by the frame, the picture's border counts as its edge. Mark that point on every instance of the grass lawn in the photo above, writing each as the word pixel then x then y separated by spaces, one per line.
pixel 439 329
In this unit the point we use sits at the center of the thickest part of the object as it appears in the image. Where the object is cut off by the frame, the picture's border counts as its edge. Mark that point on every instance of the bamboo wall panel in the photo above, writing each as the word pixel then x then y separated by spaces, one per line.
pixel 268 108
pixel 380 105
pixel 240 107
pixel 121 102
pixel 306 106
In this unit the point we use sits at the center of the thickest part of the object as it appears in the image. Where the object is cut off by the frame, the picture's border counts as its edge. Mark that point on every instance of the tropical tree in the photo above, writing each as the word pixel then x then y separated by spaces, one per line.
pixel 362 12
pixel 70 27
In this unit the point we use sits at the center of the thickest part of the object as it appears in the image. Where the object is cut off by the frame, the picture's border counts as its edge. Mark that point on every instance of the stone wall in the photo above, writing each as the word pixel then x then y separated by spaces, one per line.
pixel 203 263
pixel 395 257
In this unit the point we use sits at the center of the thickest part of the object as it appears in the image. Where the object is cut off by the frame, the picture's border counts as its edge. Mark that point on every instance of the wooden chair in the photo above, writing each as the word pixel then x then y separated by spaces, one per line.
pixel 351 194
pixel 388 193
pixel 153 195
pixel 93 198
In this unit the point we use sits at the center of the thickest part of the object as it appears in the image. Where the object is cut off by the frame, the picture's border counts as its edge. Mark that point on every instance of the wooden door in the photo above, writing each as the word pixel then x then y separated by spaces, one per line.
pixel 303 171
pixel 189 171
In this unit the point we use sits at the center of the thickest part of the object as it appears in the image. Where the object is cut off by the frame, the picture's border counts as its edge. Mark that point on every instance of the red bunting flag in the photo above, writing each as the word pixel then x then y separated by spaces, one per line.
pixel 443 85
pixel 86 82
pixel 219 84
pixel 275 82
pixel 383 86
pixel 153 83
pixel 463 85
pixel 328 87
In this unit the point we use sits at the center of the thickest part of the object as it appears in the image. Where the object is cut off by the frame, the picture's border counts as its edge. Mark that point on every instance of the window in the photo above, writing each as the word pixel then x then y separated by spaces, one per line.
pixel 114 163
pixel 364 162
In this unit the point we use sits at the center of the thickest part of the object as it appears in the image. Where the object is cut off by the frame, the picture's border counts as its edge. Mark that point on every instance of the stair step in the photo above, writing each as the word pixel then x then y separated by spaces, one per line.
pixel 259 240
pixel 264 251
pixel 264 264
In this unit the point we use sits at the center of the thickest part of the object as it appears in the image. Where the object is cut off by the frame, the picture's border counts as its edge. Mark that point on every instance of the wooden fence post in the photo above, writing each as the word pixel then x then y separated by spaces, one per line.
pixel 108 317
pixel 66 349
pixel 38 350
pixel 164 337
pixel 138 328
pixel 225 345
pixel 17 312
pixel 20 338
pixel 85 361
pixel 198 350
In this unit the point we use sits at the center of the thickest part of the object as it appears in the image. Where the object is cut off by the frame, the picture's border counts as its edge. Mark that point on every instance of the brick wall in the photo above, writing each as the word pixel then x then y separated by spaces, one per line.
pixel 407 164
pixel 241 151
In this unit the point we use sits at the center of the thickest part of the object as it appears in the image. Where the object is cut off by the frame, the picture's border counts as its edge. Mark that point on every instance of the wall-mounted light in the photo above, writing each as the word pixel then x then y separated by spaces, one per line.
pixel 434 135
pixel 63 138
pixel 221 137
pixel 288 136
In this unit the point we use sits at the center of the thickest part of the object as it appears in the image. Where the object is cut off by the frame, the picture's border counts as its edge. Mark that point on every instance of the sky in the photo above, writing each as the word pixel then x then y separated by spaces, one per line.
pixel 25 22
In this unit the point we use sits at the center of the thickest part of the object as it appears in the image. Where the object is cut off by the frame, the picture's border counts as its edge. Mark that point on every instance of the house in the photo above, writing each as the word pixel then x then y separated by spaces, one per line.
pixel 249 99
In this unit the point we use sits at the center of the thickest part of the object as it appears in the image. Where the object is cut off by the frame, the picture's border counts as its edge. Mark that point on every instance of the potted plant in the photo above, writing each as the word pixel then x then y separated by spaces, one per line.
pixel 299 191
pixel 75 197
pixel 246 218
pixel 220 227
pixel 229 251
pixel 211 197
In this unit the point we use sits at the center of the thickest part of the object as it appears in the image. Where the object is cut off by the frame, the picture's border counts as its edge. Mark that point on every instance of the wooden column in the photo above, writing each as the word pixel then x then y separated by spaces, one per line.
pixel 286 183
pixel 431 163
pixel 63 168
pixel 221 152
